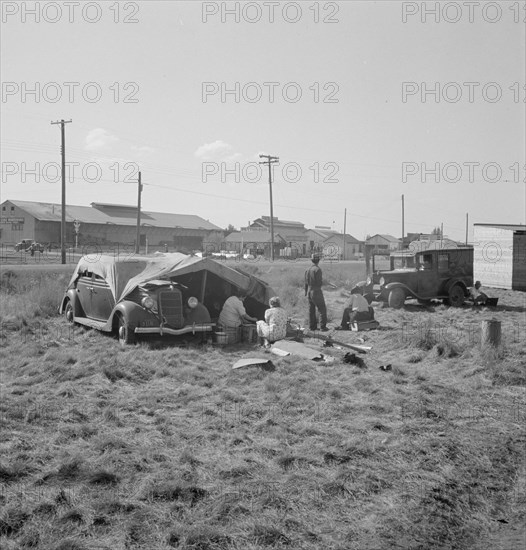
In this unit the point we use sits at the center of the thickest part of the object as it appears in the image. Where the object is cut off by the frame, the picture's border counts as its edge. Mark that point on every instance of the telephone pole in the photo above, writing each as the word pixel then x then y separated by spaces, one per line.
pixel 270 161
pixel 403 228
pixel 138 235
pixel 63 217
pixel 344 231
pixel 467 228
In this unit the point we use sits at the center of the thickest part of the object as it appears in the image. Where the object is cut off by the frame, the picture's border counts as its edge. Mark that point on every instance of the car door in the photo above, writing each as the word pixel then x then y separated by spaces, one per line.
pixel 427 275
pixel 102 301
pixel 444 271
pixel 84 290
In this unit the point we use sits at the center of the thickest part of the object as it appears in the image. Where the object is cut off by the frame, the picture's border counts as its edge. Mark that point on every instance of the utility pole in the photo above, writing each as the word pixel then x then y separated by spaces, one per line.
pixel 467 228
pixel 63 217
pixel 441 233
pixel 403 228
pixel 138 235
pixel 344 231
pixel 270 161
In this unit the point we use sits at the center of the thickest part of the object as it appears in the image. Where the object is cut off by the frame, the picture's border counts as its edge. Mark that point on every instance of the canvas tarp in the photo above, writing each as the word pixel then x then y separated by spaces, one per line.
pixel 125 274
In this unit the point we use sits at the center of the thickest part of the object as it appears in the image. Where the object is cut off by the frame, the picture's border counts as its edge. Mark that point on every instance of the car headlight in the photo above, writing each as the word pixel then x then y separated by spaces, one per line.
pixel 368 281
pixel 382 281
pixel 148 302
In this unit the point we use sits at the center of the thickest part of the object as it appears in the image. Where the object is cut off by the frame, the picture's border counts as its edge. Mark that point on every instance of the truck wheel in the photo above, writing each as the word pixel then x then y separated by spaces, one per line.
pixel 125 332
pixel 396 298
pixel 456 296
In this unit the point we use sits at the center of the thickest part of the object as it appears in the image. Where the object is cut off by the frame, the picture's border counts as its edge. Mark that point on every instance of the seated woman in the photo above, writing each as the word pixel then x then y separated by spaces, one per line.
pixel 274 327
pixel 356 309
pixel 233 314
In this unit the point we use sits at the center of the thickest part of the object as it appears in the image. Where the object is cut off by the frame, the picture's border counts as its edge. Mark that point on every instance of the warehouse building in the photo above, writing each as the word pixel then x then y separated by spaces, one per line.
pixel 102 225
pixel 499 256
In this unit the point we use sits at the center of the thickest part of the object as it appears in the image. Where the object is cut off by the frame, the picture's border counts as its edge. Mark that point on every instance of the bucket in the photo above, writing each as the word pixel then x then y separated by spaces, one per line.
pixel 232 334
pixel 249 334
pixel 220 338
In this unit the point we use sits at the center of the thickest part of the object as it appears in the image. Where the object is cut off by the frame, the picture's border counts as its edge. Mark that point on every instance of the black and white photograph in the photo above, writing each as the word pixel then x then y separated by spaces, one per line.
pixel 263 275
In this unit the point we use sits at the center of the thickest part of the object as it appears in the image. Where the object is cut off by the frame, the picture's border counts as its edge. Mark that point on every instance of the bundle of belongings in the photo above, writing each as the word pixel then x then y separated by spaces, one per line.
pixel 358 314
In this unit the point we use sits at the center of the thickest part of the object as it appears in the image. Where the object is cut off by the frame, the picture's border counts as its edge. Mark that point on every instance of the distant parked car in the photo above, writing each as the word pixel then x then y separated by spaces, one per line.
pixel 137 295
pixel 29 245
pixel 445 273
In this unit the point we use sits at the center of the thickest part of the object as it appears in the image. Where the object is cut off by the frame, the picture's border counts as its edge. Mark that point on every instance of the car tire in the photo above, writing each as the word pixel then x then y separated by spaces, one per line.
pixel 69 313
pixel 456 296
pixel 125 332
pixel 396 298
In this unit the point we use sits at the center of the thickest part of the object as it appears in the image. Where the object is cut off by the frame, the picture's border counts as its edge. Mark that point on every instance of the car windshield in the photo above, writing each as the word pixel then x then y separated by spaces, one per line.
pixel 403 262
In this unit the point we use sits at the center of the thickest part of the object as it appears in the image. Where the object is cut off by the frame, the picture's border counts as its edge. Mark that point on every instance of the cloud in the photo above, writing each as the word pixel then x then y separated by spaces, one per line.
pixel 218 150
pixel 99 138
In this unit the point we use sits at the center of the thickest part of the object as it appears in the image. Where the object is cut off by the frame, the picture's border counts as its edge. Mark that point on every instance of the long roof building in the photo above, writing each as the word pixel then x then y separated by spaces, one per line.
pixel 101 223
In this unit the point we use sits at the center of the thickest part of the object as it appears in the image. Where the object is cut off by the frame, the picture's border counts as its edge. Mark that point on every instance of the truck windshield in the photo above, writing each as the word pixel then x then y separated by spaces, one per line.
pixel 402 262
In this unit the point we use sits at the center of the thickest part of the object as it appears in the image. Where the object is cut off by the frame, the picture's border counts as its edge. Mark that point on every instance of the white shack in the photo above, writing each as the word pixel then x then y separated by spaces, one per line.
pixel 499 258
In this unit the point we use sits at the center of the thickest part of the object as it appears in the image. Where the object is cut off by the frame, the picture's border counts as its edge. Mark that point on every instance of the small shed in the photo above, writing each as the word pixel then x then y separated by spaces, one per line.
pixel 499 258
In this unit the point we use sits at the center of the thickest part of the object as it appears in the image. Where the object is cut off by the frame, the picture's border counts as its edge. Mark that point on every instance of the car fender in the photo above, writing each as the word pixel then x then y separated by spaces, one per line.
pixel 131 311
pixel 71 296
pixel 389 286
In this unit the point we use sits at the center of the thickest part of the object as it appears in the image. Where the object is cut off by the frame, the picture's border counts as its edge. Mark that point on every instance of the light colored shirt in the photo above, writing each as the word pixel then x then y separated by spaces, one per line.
pixel 232 313
pixel 275 325
pixel 358 303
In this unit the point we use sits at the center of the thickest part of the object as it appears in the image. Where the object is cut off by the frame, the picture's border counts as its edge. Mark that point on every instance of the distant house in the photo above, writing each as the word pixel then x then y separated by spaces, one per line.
pixel 101 224
pixel 499 257
pixel 292 232
pixel 382 243
pixel 316 237
pixel 257 243
pixel 336 247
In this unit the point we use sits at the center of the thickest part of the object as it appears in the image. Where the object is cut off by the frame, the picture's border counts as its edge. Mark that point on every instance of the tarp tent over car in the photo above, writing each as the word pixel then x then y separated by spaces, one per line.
pixel 209 280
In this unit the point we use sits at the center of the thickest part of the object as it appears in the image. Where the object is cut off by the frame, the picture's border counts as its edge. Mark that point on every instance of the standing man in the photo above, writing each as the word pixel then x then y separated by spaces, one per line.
pixel 313 282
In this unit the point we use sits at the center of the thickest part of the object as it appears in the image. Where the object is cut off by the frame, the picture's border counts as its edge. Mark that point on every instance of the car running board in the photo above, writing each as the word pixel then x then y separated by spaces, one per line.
pixel 100 325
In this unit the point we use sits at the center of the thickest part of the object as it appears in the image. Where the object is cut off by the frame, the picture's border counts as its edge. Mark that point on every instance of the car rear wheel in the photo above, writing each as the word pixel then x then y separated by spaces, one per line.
pixel 456 296
pixel 125 332
pixel 68 313
pixel 396 298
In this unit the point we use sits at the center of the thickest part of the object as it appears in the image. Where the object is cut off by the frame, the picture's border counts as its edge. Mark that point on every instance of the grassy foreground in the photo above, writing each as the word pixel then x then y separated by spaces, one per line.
pixel 156 446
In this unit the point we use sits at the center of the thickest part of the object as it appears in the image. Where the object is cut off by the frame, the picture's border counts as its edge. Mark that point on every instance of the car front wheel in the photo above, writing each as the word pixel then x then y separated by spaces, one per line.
pixel 68 313
pixel 396 298
pixel 456 296
pixel 125 332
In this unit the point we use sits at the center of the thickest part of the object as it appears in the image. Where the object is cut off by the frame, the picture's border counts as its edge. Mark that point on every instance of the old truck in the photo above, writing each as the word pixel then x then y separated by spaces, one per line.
pixel 443 273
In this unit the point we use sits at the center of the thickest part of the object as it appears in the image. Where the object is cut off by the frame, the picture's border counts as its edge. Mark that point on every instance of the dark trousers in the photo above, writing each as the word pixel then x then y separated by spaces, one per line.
pixel 350 316
pixel 316 300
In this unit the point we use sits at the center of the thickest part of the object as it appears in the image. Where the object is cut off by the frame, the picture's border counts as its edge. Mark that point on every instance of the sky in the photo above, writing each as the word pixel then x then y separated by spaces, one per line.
pixel 362 102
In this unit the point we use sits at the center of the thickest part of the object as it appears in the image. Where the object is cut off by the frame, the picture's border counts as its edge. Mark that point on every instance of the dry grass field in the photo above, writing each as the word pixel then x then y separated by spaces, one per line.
pixel 160 446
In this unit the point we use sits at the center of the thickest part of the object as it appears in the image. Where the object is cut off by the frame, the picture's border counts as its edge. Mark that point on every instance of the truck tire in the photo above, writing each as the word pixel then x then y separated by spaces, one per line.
pixel 396 298
pixel 456 296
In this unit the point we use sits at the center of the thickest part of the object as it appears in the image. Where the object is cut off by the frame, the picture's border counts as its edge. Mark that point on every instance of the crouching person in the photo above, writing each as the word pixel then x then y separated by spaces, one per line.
pixel 478 296
pixel 274 327
pixel 233 314
pixel 196 313
pixel 356 309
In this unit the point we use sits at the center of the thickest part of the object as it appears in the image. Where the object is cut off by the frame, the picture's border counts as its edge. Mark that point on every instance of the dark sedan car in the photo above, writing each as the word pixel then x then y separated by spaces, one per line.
pixel 147 295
